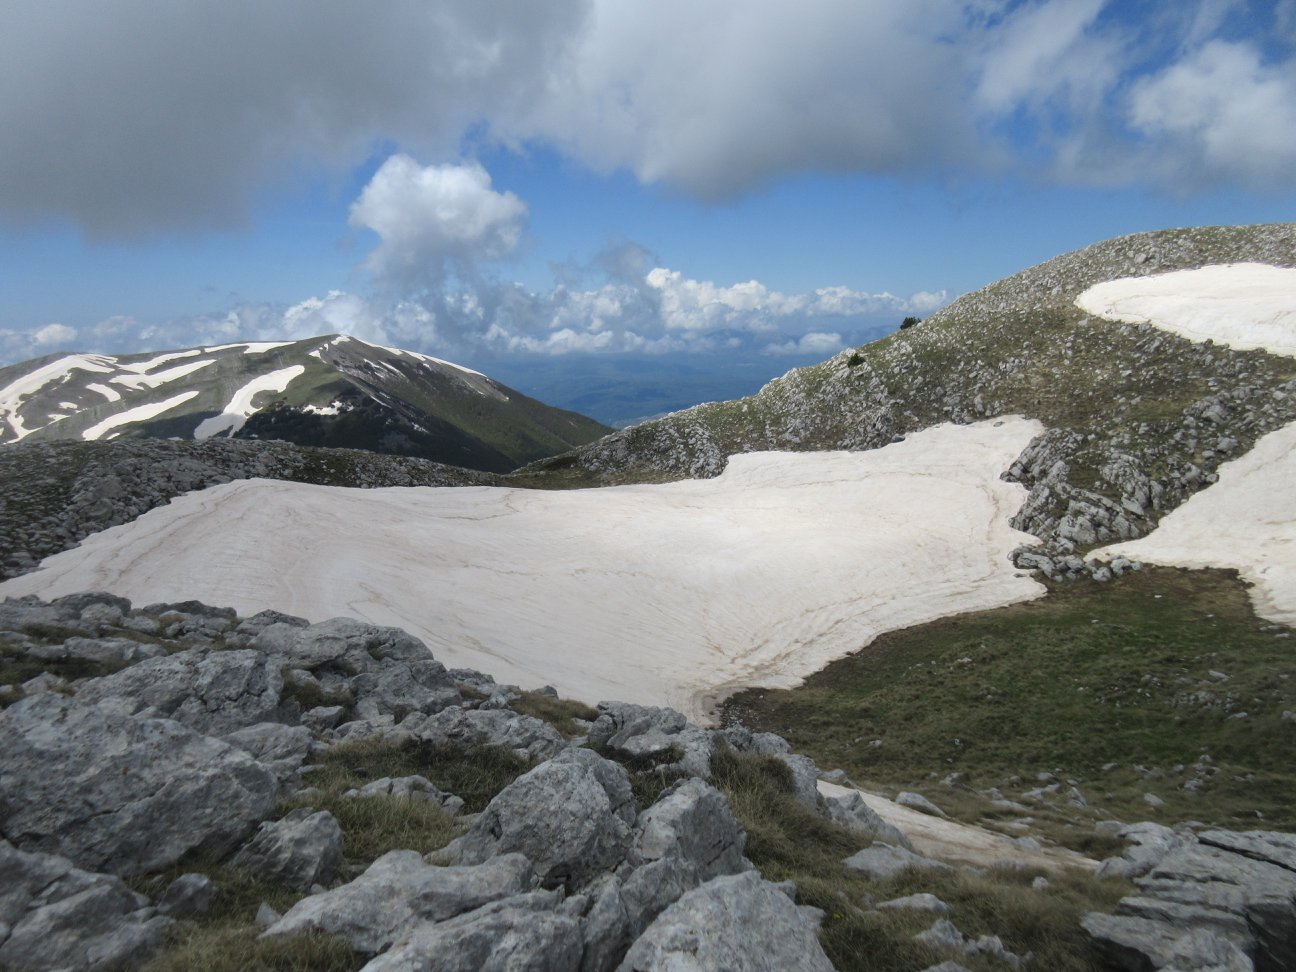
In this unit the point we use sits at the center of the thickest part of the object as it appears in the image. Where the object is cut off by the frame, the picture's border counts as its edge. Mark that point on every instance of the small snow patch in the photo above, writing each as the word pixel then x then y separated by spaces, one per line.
pixel 141 413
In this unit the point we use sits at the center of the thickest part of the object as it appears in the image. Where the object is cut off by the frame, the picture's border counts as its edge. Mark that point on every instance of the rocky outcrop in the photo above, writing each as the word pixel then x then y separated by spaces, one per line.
pixel 1216 900
pixel 570 816
pixel 186 749
pixel 523 734
pixel 529 932
pixel 53 915
pixel 881 861
pixel 130 794
pixel 301 850
pixel 400 891
pixel 734 922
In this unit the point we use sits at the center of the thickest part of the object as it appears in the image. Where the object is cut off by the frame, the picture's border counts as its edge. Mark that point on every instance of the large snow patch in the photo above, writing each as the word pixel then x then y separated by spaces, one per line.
pixel 1246 520
pixel 1243 305
pixel 669 594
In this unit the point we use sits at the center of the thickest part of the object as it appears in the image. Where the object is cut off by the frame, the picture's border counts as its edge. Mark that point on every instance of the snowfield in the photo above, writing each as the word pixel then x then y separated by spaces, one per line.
pixel 673 594
pixel 1243 305
pixel 1247 520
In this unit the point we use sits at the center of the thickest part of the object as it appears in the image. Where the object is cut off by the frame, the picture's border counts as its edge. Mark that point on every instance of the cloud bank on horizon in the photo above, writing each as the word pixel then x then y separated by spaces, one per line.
pixel 134 122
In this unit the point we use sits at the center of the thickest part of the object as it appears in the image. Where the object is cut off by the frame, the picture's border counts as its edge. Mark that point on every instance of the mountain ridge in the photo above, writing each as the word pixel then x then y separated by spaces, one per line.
pixel 1137 419
pixel 333 391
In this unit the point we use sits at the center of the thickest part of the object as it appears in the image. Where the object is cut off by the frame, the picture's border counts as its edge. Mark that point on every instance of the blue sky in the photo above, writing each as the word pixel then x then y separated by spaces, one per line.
pixel 527 185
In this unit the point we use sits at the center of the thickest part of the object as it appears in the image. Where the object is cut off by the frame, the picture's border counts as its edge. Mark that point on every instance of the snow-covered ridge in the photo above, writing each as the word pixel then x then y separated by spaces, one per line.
pixel 671 594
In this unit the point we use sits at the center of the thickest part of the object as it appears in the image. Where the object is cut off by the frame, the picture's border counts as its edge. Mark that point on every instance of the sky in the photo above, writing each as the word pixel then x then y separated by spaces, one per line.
pixel 549 188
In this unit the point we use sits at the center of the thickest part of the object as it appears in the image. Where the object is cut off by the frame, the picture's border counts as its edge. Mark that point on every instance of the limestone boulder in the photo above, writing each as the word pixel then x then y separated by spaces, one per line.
pixel 400 891
pixel 129 794
pixel 732 922
pixel 54 915
pixel 572 816
pixel 301 850
pixel 526 933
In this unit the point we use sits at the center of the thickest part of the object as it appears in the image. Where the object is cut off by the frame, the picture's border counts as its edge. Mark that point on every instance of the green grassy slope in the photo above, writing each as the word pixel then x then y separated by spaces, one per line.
pixel 1163 681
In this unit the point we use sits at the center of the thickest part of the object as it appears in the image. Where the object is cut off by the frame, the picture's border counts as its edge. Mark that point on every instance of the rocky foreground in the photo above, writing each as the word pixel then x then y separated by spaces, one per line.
pixel 179 734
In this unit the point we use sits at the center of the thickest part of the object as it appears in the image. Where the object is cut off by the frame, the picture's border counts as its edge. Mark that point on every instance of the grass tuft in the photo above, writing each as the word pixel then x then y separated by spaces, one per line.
pixel 559 713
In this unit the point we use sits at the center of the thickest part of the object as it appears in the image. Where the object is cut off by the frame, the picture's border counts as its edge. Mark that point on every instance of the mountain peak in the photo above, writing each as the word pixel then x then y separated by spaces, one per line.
pixel 329 390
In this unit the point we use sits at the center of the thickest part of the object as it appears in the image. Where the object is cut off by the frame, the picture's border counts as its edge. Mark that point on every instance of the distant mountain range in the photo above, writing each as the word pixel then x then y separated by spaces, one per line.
pixel 333 391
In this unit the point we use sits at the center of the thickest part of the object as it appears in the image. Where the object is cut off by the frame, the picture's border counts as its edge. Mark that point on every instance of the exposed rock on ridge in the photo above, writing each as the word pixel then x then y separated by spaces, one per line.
pixel 1139 419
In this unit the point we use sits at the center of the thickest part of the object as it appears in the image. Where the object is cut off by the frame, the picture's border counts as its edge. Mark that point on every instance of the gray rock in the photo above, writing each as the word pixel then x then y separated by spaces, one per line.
pixel 266 917
pixel 731 922
pixel 646 732
pixel 410 788
pixel 571 816
pixel 943 935
pixel 397 688
pixel 1236 887
pixel 101 616
pixel 692 823
pixel 322 717
pixel 399 891
pixel 246 631
pixel 686 838
pixel 302 849
pixel 490 727
pixel 342 644
pixel 805 778
pixel 916 801
pixel 1139 944
pixel 605 927
pixel 54 915
pixel 111 651
pixel 1150 843
pixel 130 794
pixel 850 810
pixel 281 748
pixel 947 966
pixel 1259 845
pixel 213 692
pixel 883 861
pixel 526 933
pixel 918 902
pixel 188 895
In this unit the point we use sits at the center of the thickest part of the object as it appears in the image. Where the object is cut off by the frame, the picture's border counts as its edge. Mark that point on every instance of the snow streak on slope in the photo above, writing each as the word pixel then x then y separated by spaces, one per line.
pixel 141 380
pixel 673 594
pixel 141 413
pixel 1243 305
pixel 1247 520
pixel 12 395
pixel 240 406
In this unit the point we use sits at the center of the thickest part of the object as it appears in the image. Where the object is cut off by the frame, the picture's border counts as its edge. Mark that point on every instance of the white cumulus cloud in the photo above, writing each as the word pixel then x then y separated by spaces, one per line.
pixel 1229 114
pixel 54 335
pixel 436 219
pixel 814 342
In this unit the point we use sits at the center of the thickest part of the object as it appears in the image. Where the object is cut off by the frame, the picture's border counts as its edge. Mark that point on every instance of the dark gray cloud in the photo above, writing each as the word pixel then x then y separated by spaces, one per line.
pixel 130 117
pixel 133 117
